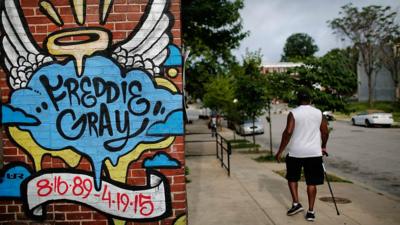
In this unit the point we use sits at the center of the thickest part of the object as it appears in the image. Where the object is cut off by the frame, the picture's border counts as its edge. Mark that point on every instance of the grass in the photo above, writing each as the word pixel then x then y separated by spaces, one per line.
pixel 331 178
pixel 242 143
pixel 268 158
pixel 187 172
pixel 389 107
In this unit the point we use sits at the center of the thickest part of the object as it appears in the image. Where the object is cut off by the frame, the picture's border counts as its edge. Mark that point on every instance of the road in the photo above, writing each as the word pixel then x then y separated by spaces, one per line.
pixel 368 156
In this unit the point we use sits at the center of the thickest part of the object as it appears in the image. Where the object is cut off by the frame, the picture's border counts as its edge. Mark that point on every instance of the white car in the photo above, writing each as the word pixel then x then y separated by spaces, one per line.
pixel 369 119
pixel 247 128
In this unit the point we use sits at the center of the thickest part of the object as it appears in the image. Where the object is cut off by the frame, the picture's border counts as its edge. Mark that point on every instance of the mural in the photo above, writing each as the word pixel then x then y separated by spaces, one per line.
pixel 84 97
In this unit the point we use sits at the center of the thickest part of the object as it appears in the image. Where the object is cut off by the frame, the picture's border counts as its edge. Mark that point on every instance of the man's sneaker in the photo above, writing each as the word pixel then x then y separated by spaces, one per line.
pixel 310 216
pixel 295 209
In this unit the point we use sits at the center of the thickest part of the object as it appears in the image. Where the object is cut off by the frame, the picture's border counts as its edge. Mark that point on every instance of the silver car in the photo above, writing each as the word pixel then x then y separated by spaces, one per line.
pixel 372 118
pixel 247 128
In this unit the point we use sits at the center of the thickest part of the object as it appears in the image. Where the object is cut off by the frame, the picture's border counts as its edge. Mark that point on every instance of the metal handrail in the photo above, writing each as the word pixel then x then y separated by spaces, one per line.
pixel 223 145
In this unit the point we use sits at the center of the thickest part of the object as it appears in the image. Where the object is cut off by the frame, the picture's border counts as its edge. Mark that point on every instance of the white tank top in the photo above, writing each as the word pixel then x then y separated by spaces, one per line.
pixel 306 137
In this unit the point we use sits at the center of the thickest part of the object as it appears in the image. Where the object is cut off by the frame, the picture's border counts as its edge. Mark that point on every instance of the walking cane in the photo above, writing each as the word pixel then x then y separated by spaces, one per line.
pixel 329 185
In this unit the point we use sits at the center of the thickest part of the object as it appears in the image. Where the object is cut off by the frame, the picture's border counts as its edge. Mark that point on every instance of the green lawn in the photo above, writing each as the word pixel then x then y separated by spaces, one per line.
pixel 356 107
pixel 242 143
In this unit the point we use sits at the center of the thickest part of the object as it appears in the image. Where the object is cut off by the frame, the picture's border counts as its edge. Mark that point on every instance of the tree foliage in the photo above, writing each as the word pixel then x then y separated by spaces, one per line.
pixel 298 47
pixel 220 93
pixel 211 28
pixel 330 79
pixel 390 59
pixel 251 86
pixel 280 86
pixel 367 28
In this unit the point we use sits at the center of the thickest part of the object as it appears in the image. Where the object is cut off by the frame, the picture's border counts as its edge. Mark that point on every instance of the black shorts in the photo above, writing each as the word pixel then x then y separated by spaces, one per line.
pixel 313 170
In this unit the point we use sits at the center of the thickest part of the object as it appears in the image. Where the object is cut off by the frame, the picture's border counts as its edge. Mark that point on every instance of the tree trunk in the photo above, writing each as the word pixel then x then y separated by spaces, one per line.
pixel 370 90
pixel 270 128
pixel 254 135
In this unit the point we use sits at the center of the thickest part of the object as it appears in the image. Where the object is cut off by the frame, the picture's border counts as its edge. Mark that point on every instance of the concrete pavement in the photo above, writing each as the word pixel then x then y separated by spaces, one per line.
pixel 254 194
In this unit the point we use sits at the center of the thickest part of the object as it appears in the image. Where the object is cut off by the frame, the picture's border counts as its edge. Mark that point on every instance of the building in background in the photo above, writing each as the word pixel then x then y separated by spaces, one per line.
pixel 279 67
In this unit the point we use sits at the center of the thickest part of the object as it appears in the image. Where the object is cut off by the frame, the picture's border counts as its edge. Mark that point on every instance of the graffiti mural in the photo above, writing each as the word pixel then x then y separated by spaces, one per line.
pixel 81 96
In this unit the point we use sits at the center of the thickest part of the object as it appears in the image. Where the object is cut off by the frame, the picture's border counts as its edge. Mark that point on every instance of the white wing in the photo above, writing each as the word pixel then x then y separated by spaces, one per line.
pixel 148 47
pixel 20 56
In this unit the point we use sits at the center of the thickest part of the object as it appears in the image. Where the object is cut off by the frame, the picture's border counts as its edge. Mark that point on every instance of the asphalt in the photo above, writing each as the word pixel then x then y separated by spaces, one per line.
pixel 254 194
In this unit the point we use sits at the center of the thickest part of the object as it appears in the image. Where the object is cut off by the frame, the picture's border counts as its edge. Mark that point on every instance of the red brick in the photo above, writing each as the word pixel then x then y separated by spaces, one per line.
pixel 134 16
pixel 123 26
pixel 14 158
pixel 59 3
pixel 180 196
pixel 67 223
pixel 95 223
pixel 178 205
pixel 126 8
pixel 26 3
pixel 65 11
pixel 178 188
pixel 137 1
pixel 41 29
pixel 79 216
pixel 13 208
pixel 178 212
pixel 38 20
pixel 179 180
pixel 92 18
pixel 10 151
pixel 7 216
pixel 59 216
pixel 98 216
pixel 172 172
pixel 116 17
pixel 66 207
pixel 21 216
pixel 29 12
pixel 92 10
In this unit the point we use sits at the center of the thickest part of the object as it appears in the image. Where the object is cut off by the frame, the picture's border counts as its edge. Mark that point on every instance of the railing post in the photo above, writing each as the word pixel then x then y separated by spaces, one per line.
pixel 222 151
pixel 229 156
pixel 216 144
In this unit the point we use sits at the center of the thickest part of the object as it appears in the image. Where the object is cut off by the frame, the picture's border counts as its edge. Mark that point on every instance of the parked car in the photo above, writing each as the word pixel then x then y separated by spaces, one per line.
pixel 246 127
pixel 373 118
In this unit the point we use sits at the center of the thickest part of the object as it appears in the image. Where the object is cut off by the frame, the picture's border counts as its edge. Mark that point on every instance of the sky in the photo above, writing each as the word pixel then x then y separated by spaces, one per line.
pixel 271 22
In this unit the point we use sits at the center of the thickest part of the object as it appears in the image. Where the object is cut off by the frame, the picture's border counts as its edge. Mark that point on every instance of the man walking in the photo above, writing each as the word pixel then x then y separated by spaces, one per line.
pixel 305 135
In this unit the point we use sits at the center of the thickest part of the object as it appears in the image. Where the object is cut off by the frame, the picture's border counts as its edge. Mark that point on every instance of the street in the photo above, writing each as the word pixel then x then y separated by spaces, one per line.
pixel 368 156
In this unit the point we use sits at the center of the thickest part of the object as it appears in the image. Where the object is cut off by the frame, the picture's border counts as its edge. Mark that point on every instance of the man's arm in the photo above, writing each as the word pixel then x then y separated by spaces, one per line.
pixel 286 135
pixel 324 134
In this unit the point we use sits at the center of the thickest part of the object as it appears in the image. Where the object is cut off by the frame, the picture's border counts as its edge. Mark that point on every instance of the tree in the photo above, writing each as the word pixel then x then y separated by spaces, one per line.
pixel 251 85
pixel 366 29
pixel 279 86
pixel 390 58
pixel 298 47
pixel 331 79
pixel 219 94
pixel 211 28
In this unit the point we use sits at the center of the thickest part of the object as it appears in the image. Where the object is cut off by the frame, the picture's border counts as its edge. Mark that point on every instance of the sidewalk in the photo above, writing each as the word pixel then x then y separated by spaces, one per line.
pixel 255 195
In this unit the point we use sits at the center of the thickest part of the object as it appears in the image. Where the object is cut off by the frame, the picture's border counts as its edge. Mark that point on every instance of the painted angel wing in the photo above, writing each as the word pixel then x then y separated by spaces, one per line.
pixel 20 55
pixel 147 48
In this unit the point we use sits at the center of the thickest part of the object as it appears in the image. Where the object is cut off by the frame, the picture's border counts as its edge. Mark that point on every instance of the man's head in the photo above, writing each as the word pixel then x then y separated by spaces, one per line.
pixel 303 96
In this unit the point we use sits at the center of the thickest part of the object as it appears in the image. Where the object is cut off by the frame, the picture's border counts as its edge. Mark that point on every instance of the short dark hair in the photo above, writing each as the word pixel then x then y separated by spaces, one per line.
pixel 303 96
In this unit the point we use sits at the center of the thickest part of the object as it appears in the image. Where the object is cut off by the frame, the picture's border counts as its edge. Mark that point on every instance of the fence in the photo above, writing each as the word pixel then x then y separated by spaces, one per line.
pixel 222 145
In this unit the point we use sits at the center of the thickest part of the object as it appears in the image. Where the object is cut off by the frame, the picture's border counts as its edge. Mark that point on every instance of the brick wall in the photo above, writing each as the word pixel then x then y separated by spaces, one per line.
pixel 100 175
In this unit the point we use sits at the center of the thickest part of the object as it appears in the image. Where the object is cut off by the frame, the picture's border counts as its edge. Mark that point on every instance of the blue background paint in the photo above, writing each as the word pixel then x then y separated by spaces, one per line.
pixel 34 100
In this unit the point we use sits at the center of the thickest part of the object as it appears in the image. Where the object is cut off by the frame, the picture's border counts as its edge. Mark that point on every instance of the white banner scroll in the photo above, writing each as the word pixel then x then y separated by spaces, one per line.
pixel 119 201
